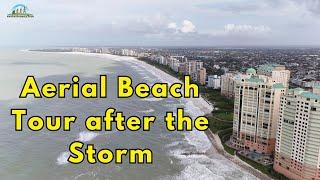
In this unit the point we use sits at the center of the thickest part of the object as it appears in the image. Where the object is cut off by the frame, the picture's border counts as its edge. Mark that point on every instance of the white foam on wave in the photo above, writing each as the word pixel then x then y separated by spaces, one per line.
pixel 86 136
pixel 147 111
pixel 199 140
pixel 146 77
pixel 192 110
pixel 83 137
pixel 173 104
pixel 133 66
pixel 197 166
pixel 199 171
pixel 202 166
pixel 89 174
pixel 141 71
pixel 173 144
pixel 63 158
pixel 203 106
pixel 153 99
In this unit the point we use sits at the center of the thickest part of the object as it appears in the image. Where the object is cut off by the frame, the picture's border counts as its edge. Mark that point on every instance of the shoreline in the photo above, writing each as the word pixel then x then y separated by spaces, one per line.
pixel 217 144
pixel 204 107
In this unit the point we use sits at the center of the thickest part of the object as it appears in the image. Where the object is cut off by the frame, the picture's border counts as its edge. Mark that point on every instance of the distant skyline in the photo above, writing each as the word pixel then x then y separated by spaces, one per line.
pixel 162 23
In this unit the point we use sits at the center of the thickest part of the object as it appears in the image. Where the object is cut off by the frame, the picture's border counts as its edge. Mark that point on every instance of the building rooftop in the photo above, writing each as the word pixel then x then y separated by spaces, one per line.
pixel 298 89
pixel 310 95
pixel 278 86
pixel 304 93
pixel 251 71
pixel 268 67
pixel 255 80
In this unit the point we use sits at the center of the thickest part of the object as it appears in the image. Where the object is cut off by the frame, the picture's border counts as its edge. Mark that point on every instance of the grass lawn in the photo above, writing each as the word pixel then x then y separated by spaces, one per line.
pixel 229 149
pixel 222 103
pixel 225 136
pixel 224 115
pixel 216 125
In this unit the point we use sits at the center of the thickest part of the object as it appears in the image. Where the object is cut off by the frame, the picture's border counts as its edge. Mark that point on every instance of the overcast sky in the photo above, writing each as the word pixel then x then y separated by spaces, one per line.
pixel 162 22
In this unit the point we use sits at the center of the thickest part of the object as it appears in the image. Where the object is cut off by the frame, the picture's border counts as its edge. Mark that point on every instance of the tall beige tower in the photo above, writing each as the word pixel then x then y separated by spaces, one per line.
pixel 202 76
pixel 256 112
pixel 277 73
pixel 297 152
pixel 227 85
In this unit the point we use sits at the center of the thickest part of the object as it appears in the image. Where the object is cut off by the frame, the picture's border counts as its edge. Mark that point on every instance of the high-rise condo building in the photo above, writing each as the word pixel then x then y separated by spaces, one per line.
pixel 214 81
pixel 227 85
pixel 174 64
pixel 190 67
pixel 256 112
pixel 278 73
pixel 202 74
pixel 297 152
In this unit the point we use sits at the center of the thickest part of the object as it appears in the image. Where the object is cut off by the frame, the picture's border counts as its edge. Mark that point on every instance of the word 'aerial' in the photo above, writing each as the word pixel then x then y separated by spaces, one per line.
pixel 125 89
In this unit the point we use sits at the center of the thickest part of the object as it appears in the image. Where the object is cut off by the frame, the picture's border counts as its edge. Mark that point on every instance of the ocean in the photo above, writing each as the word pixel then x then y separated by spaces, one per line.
pixel 43 154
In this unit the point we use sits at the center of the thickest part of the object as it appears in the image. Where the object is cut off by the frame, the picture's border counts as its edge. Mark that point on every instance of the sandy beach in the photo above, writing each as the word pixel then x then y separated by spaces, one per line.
pixel 199 155
pixel 199 107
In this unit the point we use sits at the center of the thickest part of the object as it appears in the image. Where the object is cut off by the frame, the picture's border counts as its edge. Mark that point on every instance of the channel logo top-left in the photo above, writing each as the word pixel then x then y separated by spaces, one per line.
pixel 20 11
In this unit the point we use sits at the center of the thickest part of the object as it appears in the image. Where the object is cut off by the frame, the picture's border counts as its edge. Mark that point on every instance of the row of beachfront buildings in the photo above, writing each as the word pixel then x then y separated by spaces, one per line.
pixel 194 68
pixel 183 65
pixel 179 64
pixel 271 119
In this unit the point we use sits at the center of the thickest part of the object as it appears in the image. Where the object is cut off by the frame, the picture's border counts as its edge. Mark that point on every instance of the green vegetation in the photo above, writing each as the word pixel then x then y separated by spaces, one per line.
pixel 221 123
pixel 221 120
pixel 216 125
pixel 229 149
pixel 223 104
pixel 225 136
pixel 222 116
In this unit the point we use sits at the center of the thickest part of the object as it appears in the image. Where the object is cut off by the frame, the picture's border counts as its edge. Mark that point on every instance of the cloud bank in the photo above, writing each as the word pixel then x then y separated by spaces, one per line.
pixel 165 22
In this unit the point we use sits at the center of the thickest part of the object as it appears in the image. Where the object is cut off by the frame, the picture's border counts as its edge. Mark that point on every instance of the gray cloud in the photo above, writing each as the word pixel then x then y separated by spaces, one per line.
pixel 262 6
pixel 163 22
pixel 245 30
pixel 233 7
pixel 312 5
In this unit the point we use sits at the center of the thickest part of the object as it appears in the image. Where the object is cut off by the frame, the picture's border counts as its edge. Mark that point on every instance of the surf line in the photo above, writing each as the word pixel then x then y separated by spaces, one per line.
pixel 125 89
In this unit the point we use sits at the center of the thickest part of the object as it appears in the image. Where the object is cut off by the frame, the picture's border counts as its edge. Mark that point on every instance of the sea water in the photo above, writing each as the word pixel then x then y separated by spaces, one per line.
pixel 44 154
